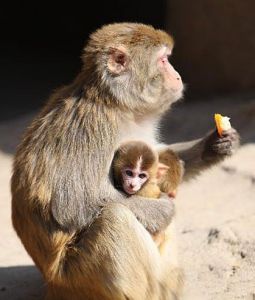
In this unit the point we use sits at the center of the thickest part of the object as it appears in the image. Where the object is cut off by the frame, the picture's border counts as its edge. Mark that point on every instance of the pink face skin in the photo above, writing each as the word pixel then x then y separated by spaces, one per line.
pixel 172 78
pixel 133 179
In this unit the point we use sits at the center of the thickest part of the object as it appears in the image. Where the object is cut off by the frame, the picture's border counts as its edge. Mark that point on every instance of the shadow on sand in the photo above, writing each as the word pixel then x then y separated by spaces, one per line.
pixel 21 283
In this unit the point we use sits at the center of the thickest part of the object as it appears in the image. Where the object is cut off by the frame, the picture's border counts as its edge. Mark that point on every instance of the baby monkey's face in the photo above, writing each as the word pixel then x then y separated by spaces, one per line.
pixel 133 179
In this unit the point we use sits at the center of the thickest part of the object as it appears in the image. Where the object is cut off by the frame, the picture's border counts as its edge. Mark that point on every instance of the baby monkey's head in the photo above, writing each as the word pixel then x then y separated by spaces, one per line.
pixel 134 164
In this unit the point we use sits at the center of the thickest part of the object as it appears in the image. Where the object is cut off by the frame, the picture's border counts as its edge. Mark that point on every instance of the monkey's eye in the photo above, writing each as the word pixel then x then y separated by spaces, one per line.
pixel 142 175
pixel 129 173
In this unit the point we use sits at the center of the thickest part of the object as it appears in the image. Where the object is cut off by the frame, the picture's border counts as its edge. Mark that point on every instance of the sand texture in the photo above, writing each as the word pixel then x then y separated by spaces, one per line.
pixel 215 212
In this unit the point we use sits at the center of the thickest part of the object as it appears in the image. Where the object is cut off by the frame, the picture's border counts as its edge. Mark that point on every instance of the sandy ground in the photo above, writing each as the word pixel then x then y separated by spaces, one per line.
pixel 215 213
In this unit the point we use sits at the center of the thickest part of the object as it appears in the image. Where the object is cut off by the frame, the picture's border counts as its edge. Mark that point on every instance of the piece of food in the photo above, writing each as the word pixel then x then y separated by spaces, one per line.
pixel 222 123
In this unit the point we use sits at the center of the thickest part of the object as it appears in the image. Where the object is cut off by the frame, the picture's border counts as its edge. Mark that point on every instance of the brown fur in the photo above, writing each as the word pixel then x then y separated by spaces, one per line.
pixel 128 155
pixel 88 240
pixel 173 177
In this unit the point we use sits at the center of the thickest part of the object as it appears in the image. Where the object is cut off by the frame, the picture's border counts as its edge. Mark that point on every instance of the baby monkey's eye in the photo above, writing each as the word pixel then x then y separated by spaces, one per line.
pixel 142 175
pixel 129 173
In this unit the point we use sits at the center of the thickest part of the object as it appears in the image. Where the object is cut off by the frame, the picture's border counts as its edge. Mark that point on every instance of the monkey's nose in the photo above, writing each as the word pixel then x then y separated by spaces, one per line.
pixel 131 186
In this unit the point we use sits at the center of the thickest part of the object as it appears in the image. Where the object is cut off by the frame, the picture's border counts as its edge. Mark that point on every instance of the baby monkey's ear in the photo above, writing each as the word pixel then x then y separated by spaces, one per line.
pixel 118 60
pixel 162 169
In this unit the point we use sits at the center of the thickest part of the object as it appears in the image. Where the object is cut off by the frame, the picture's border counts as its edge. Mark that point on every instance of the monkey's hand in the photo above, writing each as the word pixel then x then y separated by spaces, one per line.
pixel 155 215
pixel 201 154
pixel 217 148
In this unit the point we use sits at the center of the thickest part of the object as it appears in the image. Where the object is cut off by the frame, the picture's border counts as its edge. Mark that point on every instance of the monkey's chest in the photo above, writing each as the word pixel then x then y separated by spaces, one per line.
pixel 131 131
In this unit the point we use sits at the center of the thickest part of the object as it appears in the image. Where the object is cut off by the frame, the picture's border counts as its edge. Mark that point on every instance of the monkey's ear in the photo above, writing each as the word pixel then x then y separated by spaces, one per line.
pixel 162 169
pixel 117 60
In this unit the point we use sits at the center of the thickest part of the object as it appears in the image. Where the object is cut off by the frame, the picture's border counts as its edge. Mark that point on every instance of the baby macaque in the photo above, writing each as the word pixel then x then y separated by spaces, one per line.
pixel 137 169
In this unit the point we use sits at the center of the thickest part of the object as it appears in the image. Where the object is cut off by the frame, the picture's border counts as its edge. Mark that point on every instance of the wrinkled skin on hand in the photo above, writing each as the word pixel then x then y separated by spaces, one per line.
pixel 219 147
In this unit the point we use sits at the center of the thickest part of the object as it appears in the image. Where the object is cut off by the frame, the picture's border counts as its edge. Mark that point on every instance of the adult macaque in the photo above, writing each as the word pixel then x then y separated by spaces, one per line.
pixel 89 240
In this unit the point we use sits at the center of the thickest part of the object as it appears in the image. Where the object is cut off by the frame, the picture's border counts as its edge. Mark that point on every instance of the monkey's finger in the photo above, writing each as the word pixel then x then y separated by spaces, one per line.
pixel 223 140
pixel 172 194
pixel 223 145
pixel 223 148
pixel 233 135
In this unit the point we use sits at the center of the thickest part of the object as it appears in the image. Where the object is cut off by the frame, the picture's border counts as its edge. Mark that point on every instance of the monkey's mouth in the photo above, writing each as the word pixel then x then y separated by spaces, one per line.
pixel 129 191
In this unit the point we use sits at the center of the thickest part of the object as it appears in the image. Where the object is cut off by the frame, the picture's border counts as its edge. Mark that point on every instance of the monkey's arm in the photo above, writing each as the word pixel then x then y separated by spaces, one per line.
pixel 154 215
pixel 203 153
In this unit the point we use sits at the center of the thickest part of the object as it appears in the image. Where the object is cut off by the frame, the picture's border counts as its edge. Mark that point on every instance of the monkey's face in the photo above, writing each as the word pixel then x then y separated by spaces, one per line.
pixel 171 79
pixel 146 82
pixel 134 164
pixel 133 179
pixel 162 83
pixel 132 62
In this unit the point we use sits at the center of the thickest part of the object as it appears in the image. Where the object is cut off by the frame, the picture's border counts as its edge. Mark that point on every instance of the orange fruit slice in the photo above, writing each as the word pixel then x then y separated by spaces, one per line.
pixel 222 123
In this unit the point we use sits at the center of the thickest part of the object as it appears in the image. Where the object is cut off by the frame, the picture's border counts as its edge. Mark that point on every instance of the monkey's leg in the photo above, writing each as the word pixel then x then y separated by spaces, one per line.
pixel 115 259
pixel 151 190
pixel 172 274
pixel 159 239
pixel 168 248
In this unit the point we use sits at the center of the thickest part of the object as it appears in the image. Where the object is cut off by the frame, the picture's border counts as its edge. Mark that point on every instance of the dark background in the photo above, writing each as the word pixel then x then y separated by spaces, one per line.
pixel 41 44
